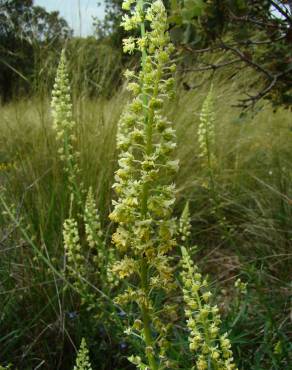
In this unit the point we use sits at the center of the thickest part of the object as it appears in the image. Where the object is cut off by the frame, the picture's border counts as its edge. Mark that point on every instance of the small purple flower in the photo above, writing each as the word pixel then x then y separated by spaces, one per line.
pixel 72 315
pixel 123 346
pixel 122 314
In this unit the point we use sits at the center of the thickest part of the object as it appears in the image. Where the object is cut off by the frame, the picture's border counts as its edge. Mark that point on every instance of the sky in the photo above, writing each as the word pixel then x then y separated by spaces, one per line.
pixel 69 9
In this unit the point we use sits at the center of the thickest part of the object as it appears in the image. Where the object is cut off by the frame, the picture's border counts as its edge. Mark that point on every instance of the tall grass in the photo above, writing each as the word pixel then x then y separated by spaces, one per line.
pixel 41 320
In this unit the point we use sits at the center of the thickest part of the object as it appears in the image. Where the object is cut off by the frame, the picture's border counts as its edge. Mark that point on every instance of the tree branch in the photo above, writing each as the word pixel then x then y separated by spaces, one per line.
pixel 257 22
pixel 247 60
pixel 212 66
pixel 252 99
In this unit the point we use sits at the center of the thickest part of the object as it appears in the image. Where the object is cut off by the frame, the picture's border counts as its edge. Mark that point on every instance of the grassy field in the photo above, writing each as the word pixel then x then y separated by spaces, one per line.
pixel 248 237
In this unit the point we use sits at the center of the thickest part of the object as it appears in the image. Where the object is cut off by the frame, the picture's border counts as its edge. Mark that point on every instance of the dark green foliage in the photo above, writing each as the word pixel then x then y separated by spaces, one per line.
pixel 256 34
pixel 27 33
pixel 31 40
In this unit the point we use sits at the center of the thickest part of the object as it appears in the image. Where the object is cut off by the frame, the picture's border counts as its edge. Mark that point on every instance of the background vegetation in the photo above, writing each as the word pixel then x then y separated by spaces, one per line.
pixel 242 49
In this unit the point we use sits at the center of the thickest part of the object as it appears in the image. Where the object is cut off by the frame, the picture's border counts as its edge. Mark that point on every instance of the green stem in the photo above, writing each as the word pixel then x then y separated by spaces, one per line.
pixel 147 122
pixel 146 318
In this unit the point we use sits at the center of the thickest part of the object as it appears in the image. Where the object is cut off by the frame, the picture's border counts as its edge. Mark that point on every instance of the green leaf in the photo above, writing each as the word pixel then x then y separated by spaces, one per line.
pixel 241 4
pixel 174 6
pixel 176 19
pixel 192 9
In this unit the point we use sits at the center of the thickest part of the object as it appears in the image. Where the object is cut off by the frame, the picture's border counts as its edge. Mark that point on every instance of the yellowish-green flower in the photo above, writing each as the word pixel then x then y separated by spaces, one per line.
pixel 83 360
pixel 146 230
pixel 241 286
pixel 203 321
pixel 93 231
pixel 64 126
pixel 127 4
pixel 76 263
pixel 74 255
pixel 102 255
pixel 206 131
pixel 185 224
pixel 7 166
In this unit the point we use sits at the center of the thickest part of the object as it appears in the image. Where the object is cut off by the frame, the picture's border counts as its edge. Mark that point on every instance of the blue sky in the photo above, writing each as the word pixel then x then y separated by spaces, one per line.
pixel 69 9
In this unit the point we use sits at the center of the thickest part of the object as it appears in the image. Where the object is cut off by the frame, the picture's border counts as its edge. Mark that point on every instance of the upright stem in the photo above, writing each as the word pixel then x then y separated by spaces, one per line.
pixel 148 120
pixel 146 318
pixel 146 117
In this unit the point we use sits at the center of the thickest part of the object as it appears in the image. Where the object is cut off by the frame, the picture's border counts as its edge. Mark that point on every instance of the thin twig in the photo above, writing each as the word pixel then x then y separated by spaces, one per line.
pixel 247 60
pixel 212 66
pixel 254 98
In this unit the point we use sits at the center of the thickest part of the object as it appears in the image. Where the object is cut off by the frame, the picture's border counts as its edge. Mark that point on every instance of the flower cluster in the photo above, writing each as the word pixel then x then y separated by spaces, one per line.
pixel 75 261
pixel 185 224
pixel 206 132
pixel 83 361
pixel 64 125
pixel 86 261
pixel 82 258
pixel 241 286
pixel 93 231
pixel 103 256
pixel 203 321
pixel 146 140
pixel 7 166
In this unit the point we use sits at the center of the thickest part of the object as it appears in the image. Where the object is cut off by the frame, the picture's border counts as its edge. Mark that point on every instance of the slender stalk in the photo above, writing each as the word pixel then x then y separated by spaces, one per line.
pixel 146 317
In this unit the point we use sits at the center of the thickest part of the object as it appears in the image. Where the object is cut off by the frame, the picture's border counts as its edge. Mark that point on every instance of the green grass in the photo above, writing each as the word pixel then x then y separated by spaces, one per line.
pixel 249 236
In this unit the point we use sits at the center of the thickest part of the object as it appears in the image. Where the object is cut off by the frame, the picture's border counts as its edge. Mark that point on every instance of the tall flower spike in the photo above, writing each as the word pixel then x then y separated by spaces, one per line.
pixel 203 321
pixel 206 132
pixel 93 230
pixel 102 255
pixel 146 140
pixel 82 360
pixel 64 125
pixel 76 263
pixel 185 224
